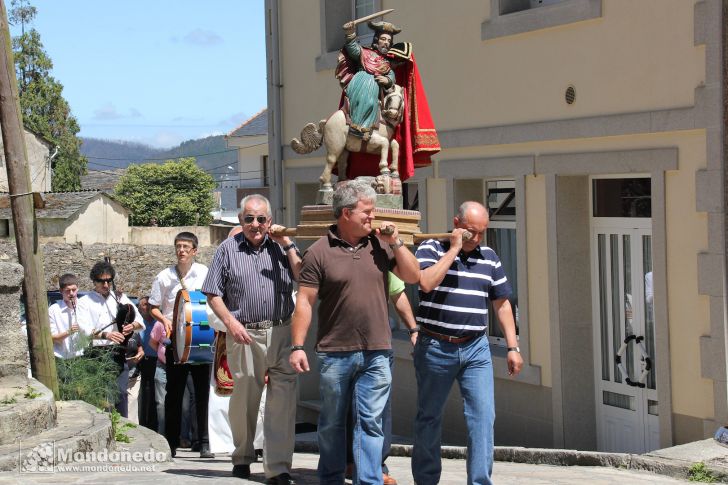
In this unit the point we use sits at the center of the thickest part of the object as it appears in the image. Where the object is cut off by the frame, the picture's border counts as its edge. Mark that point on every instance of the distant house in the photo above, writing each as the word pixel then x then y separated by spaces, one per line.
pixel 40 153
pixel 88 216
pixel 251 140
pixel 103 180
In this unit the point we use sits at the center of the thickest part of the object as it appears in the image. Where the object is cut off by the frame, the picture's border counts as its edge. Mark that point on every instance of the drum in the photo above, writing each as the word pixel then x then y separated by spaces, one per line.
pixel 192 337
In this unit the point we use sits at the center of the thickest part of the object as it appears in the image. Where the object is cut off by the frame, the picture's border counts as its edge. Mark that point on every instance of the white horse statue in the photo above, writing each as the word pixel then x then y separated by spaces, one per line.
pixel 334 134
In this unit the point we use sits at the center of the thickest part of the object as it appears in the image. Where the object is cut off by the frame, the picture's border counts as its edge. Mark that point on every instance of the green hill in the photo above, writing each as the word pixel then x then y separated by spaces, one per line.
pixel 211 153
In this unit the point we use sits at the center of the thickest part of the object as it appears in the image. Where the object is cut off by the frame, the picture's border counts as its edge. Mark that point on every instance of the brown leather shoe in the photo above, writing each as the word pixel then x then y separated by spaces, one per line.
pixel 387 480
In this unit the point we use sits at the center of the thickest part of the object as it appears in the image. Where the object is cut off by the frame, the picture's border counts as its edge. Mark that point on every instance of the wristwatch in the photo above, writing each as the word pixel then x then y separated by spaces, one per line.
pixel 286 248
pixel 514 349
pixel 296 347
pixel 396 245
pixel 414 329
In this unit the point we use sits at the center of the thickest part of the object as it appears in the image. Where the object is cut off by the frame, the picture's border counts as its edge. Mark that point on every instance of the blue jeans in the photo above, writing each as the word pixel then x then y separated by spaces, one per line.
pixel 362 378
pixel 437 365
pixel 386 428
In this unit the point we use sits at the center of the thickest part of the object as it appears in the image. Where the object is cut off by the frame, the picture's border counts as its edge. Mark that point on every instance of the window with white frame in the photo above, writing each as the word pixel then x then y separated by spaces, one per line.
pixel 362 8
pixel 510 6
pixel 510 17
pixel 499 196
pixel 335 14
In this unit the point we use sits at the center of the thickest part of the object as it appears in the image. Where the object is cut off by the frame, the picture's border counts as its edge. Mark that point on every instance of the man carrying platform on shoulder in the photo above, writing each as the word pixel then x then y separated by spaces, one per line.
pixel 250 289
pixel 348 270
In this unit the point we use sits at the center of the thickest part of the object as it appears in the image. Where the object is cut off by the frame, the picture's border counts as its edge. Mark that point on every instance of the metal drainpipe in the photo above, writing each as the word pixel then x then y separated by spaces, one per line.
pixel 723 151
pixel 273 70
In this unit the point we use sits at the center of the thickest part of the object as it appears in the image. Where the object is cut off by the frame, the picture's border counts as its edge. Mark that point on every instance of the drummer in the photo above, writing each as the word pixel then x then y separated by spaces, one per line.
pixel 187 275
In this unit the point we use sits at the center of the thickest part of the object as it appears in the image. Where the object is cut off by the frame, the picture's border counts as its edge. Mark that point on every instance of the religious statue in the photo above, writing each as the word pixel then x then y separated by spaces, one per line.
pixel 383 114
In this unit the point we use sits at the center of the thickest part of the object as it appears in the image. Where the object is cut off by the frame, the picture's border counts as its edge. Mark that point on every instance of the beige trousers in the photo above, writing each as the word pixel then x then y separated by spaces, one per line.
pixel 248 364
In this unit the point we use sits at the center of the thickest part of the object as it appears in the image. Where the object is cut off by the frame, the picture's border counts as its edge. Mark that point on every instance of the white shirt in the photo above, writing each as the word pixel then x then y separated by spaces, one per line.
pixel 166 285
pixel 61 317
pixel 96 313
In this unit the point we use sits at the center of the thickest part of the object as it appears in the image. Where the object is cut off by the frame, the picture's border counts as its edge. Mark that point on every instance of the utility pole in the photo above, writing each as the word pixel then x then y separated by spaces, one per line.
pixel 40 345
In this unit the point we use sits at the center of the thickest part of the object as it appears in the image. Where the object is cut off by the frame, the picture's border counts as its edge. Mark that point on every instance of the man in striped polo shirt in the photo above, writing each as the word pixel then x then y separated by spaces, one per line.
pixel 250 289
pixel 457 278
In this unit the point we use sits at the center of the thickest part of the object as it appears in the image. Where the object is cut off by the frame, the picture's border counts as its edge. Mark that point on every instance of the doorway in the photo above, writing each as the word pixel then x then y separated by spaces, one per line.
pixel 623 316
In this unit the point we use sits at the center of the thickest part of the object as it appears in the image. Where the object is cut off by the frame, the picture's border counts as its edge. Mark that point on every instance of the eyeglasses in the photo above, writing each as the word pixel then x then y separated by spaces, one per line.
pixel 261 219
pixel 103 280
pixel 184 247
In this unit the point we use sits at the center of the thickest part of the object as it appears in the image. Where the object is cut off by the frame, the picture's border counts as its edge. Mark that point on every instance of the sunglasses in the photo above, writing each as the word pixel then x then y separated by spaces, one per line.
pixel 261 219
pixel 103 280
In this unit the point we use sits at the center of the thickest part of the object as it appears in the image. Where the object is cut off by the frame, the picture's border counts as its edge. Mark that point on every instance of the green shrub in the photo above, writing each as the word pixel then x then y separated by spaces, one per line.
pixel 698 472
pixel 90 378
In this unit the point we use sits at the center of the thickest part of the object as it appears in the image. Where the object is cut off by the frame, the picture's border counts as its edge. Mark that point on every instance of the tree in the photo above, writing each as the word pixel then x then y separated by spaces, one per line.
pixel 44 109
pixel 175 193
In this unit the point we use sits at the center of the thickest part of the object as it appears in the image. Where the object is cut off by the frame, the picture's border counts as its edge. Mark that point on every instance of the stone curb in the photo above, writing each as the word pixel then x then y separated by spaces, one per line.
pixel 142 439
pixel 557 457
pixel 27 417
pixel 95 437
pixel 80 427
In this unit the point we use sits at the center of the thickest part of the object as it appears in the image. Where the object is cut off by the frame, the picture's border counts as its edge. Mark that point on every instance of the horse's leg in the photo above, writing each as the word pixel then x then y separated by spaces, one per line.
pixel 384 154
pixel 394 167
pixel 335 132
pixel 325 178
pixel 342 163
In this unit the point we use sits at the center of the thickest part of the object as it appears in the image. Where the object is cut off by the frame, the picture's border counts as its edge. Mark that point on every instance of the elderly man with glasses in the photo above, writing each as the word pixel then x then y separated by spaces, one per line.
pixel 250 288
pixel 97 312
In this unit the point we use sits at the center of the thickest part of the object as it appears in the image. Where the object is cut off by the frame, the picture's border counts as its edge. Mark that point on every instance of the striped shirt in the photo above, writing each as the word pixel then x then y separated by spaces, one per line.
pixel 255 284
pixel 459 305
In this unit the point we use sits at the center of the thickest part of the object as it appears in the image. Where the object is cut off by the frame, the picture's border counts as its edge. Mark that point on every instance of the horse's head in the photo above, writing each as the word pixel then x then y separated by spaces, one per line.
pixel 393 109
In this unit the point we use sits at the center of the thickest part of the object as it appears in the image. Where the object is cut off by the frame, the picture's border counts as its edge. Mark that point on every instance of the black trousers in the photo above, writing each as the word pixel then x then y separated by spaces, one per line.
pixel 176 380
pixel 147 401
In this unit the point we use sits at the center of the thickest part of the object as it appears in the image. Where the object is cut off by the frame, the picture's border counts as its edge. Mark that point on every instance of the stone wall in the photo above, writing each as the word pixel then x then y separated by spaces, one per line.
pixel 136 266
pixel 144 235
pixel 12 341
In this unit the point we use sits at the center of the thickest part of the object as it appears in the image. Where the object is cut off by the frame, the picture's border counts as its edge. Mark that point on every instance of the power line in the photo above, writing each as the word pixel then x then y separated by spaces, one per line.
pixel 161 159
pixel 217 182
pixel 203 169
pixel 175 158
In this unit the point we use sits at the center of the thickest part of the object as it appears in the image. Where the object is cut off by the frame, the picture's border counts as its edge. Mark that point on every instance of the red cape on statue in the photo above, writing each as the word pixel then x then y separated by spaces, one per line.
pixel 416 134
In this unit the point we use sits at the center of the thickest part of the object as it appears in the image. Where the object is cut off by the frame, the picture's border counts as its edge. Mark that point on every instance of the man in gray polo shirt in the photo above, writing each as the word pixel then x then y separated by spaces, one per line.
pixel 250 288
pixel 348 271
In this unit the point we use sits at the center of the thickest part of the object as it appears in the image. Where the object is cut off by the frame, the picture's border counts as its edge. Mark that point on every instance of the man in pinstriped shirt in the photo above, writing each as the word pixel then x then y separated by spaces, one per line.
pixel 250 288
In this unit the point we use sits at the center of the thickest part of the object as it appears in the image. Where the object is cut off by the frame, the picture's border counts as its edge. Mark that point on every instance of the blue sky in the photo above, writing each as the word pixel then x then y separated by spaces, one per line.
pixel 156 71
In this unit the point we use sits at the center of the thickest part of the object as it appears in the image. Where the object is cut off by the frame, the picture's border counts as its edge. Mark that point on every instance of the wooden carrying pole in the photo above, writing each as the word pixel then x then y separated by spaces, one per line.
pixel 418 237
pixel 42 363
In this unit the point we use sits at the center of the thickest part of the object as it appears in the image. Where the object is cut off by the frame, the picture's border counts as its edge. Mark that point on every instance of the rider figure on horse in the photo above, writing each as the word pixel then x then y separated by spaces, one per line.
pixel 366 76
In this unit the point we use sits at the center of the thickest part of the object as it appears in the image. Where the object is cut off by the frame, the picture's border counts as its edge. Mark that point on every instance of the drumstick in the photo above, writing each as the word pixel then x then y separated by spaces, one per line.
pixel 419 237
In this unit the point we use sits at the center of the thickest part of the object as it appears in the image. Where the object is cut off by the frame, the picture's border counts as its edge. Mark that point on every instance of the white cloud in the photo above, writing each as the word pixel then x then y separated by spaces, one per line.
pixel 203 38
pixel 107 112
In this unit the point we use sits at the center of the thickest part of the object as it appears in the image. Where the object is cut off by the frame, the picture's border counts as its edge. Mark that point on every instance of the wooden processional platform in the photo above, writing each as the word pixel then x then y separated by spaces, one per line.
pixel 316 219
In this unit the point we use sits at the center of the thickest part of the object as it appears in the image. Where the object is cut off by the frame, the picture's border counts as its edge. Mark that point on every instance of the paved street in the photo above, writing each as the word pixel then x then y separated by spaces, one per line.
pixel 188 468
